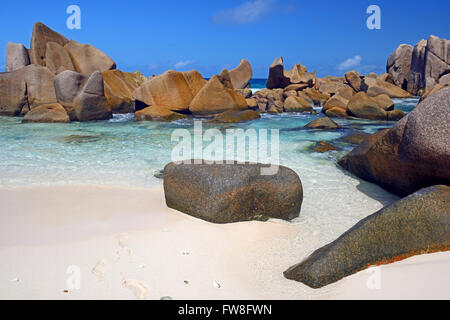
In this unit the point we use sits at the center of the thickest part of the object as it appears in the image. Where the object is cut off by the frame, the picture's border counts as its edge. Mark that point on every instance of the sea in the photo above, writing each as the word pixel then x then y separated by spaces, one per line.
pixel 123 153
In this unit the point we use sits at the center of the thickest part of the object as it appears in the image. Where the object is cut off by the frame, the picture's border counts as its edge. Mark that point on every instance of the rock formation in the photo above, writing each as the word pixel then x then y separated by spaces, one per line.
pixel 16 57
pixel 83 97
pixel 157 113
pixel 411 155
pixel 26 88
pixel 217 96
pixel 172 90
pixel 226 193
pixel 88 59
pixel 47 113
pixel 414 225
pixel 232 116
pixel 418 69
pixel 279 78
pixel 241 76
pixel 41 36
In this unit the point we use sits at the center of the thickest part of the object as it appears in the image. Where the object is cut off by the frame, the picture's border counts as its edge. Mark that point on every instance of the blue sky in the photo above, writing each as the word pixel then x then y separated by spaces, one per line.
pixel 153 36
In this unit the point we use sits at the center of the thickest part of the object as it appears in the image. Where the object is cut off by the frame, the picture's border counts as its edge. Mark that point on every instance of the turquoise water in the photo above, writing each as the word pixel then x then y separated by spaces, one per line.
pixel 127 153
pixel 258 83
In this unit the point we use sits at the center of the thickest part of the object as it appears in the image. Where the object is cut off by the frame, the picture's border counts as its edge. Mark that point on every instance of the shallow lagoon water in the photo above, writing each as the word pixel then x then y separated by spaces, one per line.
pixel 121 152
pixel 127 153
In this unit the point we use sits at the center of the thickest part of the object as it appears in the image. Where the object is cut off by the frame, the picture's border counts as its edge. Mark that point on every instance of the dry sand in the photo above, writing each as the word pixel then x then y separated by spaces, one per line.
pixel 128 245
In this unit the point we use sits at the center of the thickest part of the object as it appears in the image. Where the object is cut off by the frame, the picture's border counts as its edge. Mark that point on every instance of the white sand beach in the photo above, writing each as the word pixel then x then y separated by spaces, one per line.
pixel 129 245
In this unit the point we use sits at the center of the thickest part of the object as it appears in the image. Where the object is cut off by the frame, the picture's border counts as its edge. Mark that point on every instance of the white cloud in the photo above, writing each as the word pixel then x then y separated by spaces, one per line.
pixel 153 66
pixel 247 12
pixel 182 64
pixel 350 63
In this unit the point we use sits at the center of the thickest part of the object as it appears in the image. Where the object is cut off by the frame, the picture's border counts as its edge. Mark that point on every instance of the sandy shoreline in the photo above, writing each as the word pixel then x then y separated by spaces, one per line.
pixel 142 249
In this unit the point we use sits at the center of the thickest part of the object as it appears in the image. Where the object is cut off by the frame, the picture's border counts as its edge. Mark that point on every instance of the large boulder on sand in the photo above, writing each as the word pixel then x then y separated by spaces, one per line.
pixel 226 193
pixel 157 113
pixel 41 36
pixel 217 96
pixel 173 90
pixel 26 88
pixel 88 59
pixel 412 154
pixel 241 76
pixel 363 106
pixel 47 113
pixel 417 224
pixel 16 57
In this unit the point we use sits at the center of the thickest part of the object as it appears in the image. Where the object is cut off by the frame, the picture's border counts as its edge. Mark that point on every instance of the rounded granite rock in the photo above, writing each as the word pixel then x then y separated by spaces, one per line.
pixel 227 193
pixel 417 224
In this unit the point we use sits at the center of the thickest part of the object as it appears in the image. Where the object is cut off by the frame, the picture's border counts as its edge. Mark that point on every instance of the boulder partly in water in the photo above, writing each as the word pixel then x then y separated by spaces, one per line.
pixel 226 193
pixel 417 224
pixel 413 154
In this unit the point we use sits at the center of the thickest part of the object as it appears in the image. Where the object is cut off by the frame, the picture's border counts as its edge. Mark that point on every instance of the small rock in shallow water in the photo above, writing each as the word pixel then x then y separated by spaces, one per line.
pixel 323 146
pixel 81 139
pixel 355 138
pixel 322 123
